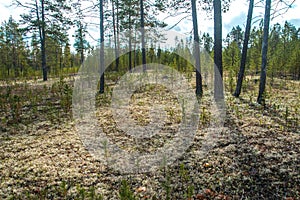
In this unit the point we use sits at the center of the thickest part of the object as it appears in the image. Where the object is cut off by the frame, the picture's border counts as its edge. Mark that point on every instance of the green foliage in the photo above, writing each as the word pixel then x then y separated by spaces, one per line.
pixel 190 191
pixel 204 116
pixel 81 44
pixel 283 51
pixel 232 51
pixel 13 51
pixel 166 184
pixel 125 192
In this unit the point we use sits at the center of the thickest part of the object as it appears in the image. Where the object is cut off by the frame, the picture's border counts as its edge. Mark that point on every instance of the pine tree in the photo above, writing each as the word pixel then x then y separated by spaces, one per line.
pixel 81 44
pixel 255 48
pixel 67 56
pixel 35 52
pixel 54 55
pixel 207 42
pixel 45 17
pixel 5 67
pixel 130 20
pixel 15 58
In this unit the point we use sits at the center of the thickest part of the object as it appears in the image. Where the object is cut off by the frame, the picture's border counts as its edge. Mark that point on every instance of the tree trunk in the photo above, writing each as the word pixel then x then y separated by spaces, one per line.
pixel 115 36
pixel 118 34
pixel 134 51
pixel 196 50
pixel 218 68
pixel 263 73
pixel 81 45
pixel 130 49
pixel 42 35
pixel 244 51
pixel 101 91
pixel 130 42
pixel 143 35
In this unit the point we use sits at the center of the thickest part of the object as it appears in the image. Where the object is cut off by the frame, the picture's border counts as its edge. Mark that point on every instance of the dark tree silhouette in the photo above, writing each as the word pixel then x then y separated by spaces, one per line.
pixel 244 51
pixel 115 33
pixel 143 35
pixel 196 50
pixel 263 73
pixel 101 47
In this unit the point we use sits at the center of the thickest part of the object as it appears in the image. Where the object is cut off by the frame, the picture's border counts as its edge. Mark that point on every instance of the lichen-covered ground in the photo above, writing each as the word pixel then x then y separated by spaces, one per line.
pixel 255 156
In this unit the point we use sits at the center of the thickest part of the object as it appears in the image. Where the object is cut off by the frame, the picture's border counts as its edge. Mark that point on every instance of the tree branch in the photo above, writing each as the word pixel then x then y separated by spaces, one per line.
pixel 178 22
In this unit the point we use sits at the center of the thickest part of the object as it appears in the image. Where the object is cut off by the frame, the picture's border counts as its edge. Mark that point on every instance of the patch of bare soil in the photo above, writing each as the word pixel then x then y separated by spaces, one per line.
pixel 255 156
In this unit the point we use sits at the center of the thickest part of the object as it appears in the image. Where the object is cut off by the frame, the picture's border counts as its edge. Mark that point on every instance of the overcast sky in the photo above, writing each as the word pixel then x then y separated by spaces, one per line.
pixel 235 16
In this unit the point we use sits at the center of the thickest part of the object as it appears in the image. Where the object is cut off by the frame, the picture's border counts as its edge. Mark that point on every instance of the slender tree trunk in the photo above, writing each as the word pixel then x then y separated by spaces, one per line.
pixel 244 51
pixel 196 50
pixel 118 35
pixel 14 60
pixel 60 62
pixel 178 66
pixel 42 35
pixel 263 73
pixel 143 35
pixel 115 36
pixel 130 44
pixel 218 69
pixel 43 42
pixel 134 51
pixel 101 91
pixel 81 45
pixel 81 57
pixel 299 72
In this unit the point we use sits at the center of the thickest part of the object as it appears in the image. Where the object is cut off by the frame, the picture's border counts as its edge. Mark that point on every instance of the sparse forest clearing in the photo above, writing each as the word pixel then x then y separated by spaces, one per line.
pixel 256 156
pixel 150 99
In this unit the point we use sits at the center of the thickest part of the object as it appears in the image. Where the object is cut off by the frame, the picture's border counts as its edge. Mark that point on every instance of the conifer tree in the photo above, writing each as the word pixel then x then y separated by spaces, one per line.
pixel 45 17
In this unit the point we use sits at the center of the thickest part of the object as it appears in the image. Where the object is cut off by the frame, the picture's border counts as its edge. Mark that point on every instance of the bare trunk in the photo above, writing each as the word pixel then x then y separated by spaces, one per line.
pixel 130 42
pixel 143 35
pixel 196 50
pixel 244 51
pixel 130 49
pixel 115 36
pixel 118 35
pixel 42 35
pixel 134 51
pixel 263 73
pixel 101 91
pixel 81 45
pixel 218 69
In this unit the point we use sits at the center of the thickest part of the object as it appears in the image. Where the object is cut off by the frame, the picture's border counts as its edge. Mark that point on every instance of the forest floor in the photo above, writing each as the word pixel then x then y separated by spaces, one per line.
pixel 255 156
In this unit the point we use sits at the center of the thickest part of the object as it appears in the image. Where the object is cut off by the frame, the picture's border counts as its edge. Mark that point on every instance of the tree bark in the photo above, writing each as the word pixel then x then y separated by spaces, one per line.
pixel 118 34
pixel 143 35
pixel 263 73
pixel 244 51
pixel 130 42
pixel 196 50
pixel 81 44
pixel 42 36
pixel 101 91
pixel 218 68
pixel 115 36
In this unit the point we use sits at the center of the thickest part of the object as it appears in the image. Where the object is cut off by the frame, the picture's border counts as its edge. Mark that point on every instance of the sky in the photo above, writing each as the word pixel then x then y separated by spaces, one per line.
pixel 236 15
